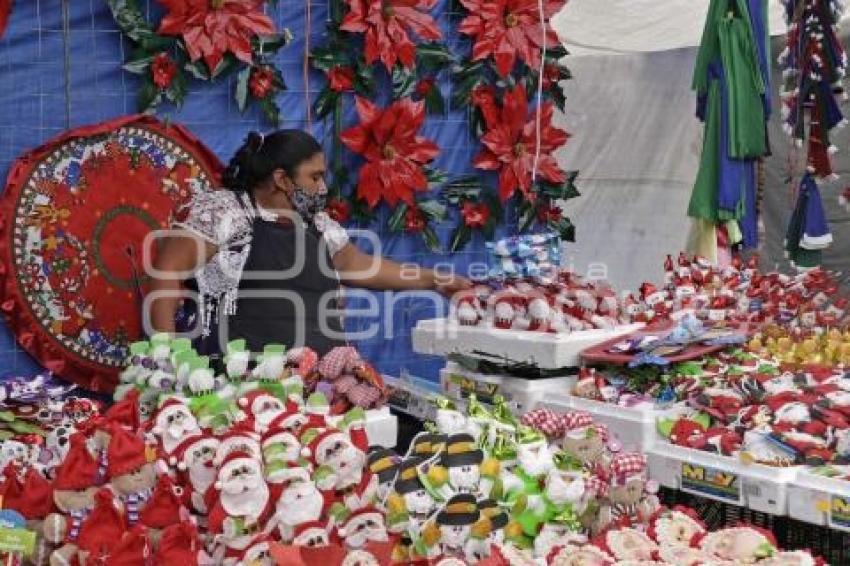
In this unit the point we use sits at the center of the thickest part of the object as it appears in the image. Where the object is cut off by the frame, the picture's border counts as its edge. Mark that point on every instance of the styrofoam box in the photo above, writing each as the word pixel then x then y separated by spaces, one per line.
pixel 382 427
pixel 722 478
pixel 820 500
pixel 441 336
pixel 523 395
pixel 634 426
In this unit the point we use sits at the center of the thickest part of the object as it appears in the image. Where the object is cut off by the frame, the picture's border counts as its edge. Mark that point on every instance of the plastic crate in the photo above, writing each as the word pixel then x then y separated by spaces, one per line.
pixel 820 500
pixel 441 337
pixel 634 427
pixel 722 478
pixel 522 395
pixel 412 396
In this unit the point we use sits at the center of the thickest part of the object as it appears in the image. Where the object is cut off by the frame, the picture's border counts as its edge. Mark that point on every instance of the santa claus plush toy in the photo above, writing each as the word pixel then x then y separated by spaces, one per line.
pixel 174 423
pixel 238 440
pixel 312 535
pixel 300 502
pixel 281 450
pixel 132 475
pixel 258 552
pixel 362 527
pixel 194 458
pixel 262 408
pixel 243 501
pixel 339 460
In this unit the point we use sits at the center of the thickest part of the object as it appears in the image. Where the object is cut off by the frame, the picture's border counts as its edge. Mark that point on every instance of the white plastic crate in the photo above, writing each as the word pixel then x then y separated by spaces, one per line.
pixel 522 395
pixel 820 500
pixel 722 478
pixel 634 427
pixel 441 337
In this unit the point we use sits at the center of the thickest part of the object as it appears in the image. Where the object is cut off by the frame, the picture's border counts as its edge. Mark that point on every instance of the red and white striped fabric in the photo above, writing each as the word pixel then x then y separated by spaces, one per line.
pixel 596 486
pixel 627 464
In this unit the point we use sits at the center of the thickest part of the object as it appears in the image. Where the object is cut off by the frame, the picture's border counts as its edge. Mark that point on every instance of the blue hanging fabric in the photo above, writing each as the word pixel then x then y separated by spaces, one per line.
pixel 815 231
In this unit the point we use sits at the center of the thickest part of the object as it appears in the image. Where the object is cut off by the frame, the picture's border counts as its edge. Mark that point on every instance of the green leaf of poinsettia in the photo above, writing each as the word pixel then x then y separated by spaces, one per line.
pixel 433 209
pixel 565 228
pixel 241 94
pixel 227 65
pixel 435 176
pixel 527 215
pixel 460 237
pixel 404 82
pixel 270 110
pixel 396 221
pixel 269 44
pixel 197 69
pixel 430 238
pixel 149 95
pixel 431 57
pixel 131 20
pixel 176 92
pixel 325 103
pixel 139 62
pixel 434 103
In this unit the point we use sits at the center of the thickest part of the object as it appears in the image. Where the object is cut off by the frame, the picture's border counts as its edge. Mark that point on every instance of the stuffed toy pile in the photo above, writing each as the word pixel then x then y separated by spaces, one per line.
pixel 566 302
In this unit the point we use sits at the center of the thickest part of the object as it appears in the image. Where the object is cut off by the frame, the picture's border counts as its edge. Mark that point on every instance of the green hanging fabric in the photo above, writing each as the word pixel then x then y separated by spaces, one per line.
pixel 744 85
pixel 704 197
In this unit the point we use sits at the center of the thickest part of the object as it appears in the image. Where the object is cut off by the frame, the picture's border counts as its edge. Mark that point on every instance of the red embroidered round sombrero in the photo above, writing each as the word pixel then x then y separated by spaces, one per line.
pixel 75 215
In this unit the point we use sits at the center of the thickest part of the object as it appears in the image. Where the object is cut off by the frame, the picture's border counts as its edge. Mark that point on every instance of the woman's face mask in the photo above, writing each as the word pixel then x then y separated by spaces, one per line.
pixel 308 203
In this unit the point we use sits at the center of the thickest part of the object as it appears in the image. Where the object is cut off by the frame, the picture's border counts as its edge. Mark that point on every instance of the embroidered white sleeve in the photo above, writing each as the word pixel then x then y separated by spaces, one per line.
pixel 217 217
pixel 334 235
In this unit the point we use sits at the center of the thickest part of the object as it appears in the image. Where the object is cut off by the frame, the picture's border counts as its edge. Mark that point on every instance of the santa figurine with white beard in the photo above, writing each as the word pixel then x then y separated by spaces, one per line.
pixel 362 527
pixel 262 408
pixel 338 459
pixel 299 503
pixel 173 424
pixel 194 458
pixel 243 503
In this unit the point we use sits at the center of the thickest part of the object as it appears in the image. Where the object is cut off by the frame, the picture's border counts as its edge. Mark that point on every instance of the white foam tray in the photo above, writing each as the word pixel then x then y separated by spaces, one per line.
pixel 820 500
pixel 382 427
pixel 441 336
pixel 722 478
pixel 522 395
pixel 634 427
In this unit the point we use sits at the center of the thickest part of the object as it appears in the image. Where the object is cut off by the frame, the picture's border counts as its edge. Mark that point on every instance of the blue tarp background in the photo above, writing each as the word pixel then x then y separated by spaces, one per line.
pixel 41 48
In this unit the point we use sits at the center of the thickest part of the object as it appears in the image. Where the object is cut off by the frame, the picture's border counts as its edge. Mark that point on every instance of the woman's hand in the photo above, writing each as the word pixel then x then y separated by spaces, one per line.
pixel 448 284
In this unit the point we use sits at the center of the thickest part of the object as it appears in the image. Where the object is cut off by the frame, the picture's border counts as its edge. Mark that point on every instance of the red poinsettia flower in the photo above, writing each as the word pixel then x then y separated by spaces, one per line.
pixel 261 82
pixel 341 79
pixel 510 144
pixel 163 70
pixel 414 220
pixel 394 152
pixel 507 29
pixel 475 215
pixel 551 75
pixel 212 28
pixel 424 86
pixel 387 25
pixel 549 213
pixel 339 210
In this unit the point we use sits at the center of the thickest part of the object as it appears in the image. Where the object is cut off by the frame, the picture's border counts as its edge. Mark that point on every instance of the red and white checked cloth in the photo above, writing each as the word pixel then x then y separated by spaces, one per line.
pixel 344 384
pixel 546 421
pixel 305 358
pixel 337 360
pixel 364 396
pixel 627 464
pixel 596 486
pixel 577 420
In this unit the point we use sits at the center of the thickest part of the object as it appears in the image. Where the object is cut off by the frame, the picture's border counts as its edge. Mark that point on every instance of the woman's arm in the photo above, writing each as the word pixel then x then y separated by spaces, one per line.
pixel 178 258
pixel 358 269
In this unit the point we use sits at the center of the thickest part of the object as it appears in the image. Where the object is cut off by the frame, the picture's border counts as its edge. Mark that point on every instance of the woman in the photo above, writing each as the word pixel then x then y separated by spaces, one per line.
pixel 240 247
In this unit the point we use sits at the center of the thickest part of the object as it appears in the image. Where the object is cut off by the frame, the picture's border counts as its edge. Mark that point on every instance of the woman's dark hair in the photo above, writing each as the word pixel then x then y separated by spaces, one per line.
pixel 261 155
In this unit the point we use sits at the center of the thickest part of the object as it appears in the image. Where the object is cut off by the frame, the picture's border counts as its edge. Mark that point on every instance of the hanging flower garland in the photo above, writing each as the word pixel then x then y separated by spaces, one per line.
pixel 508 49
pixel 207 40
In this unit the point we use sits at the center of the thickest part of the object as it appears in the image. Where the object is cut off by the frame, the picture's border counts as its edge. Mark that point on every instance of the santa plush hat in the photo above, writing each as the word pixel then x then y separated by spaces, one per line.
pixel 126 453
pixel 163 508
pixel 234 459
pixel 179 544
pixel 178 457
pixel 102 530
pixel 170 406
pixel 126 411
pixel 346 529
pixel 32 498
pixel 261 544
pixel 283 474
pixel 626 466
pixel 134 548
pixel 317 440
pixel 237 440
pixel 79 470
pixel 293 419
pixel 311 530
pixel 253 400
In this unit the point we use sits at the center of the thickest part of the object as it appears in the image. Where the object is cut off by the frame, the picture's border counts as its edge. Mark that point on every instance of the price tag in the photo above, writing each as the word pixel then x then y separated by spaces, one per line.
pixel 710 482
pixel 839 512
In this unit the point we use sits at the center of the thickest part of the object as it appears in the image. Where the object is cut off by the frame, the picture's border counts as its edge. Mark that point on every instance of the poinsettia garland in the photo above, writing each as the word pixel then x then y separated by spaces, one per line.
pixel 207 40
pixel 397 42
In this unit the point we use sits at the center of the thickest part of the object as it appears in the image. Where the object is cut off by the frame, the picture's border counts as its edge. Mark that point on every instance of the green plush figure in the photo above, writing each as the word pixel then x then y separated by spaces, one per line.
pixel 236 361
pixel 271 370
pixel 524 485
pixel 208 406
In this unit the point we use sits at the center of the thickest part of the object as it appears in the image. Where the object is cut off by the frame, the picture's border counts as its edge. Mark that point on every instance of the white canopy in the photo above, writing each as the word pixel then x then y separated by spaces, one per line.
pixel 630 26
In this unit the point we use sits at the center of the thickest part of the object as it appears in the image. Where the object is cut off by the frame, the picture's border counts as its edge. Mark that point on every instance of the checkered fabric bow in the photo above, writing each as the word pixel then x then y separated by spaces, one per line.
pixel 546 421
pixel 337 360
pixel 576 420
pixel 627 464
pixel 305 358
pixel 596 485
